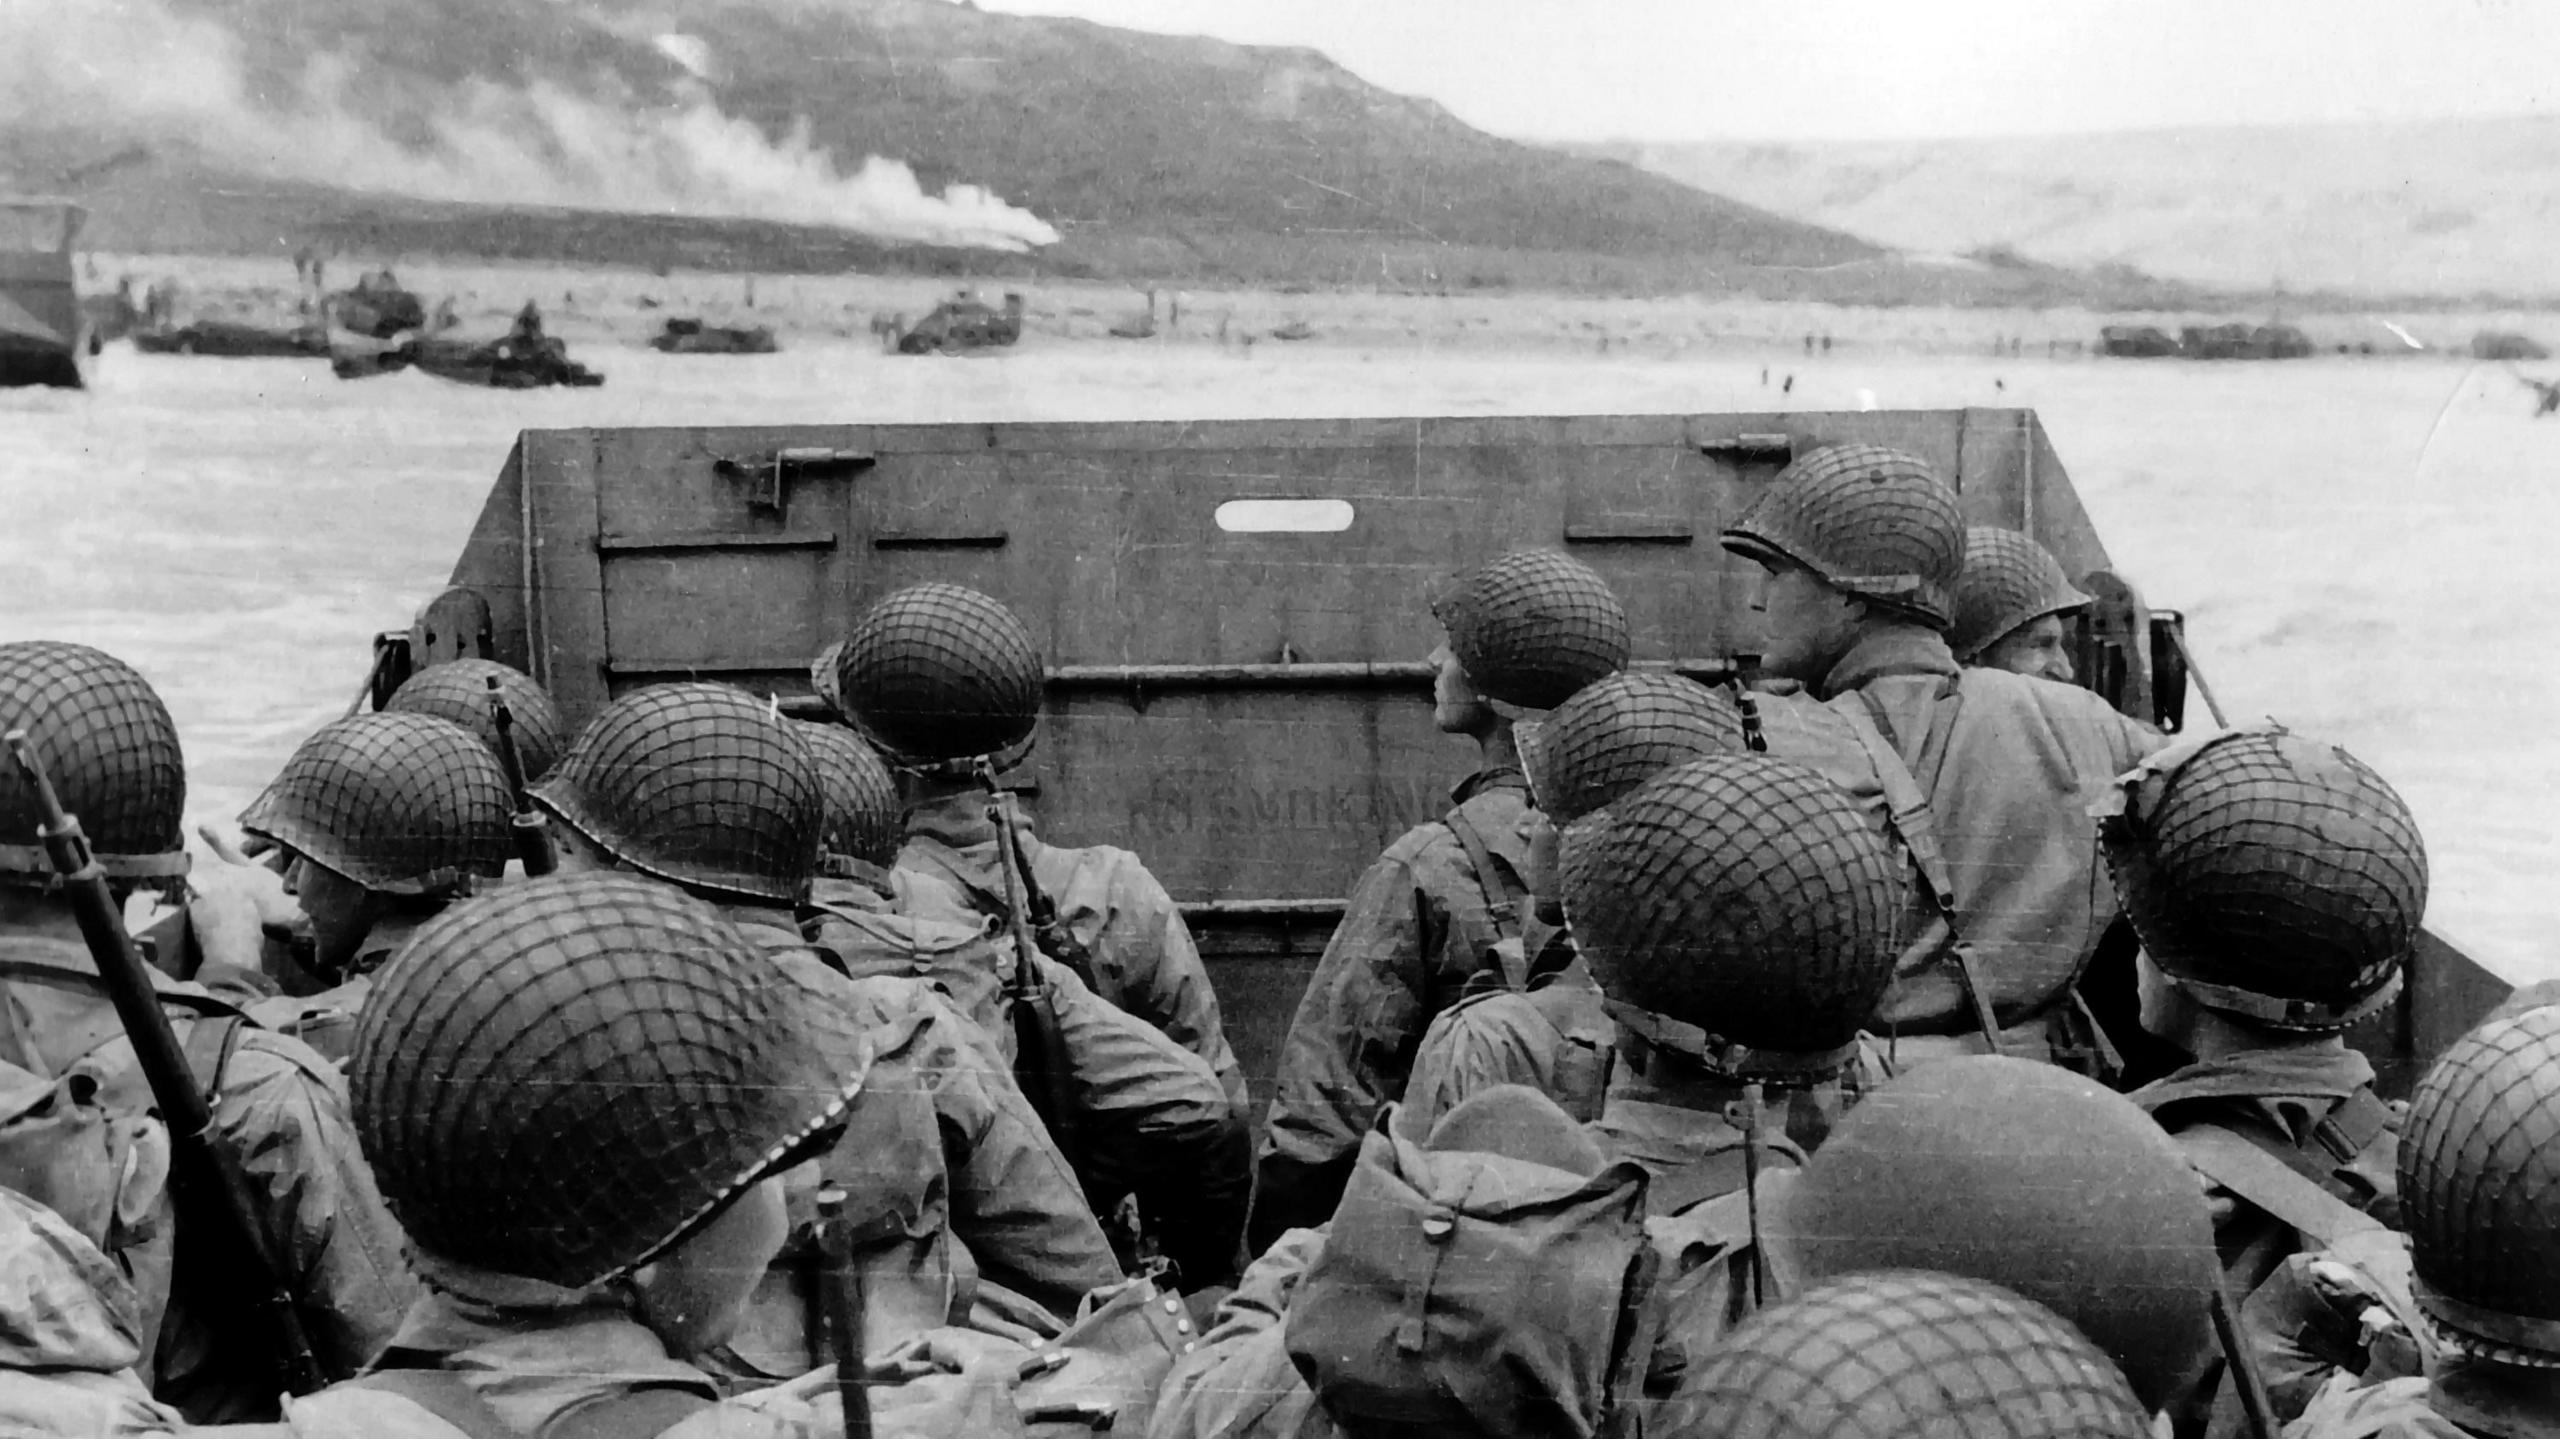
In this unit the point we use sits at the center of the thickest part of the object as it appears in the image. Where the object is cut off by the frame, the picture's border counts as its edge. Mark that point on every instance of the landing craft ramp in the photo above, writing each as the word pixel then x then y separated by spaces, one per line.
pixel 1248 708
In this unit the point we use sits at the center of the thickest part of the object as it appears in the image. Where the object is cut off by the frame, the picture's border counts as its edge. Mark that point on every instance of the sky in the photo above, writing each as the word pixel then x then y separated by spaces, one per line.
pixel 1901 69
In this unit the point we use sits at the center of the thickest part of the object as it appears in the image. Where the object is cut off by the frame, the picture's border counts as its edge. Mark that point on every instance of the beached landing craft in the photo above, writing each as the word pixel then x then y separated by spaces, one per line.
pixel 44 337
pixel 959 325
pixel 1233 613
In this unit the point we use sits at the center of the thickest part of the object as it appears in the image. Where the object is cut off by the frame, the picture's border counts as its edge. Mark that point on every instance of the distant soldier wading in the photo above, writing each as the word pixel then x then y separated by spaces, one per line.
pixel 1981 770
pixel 1525 632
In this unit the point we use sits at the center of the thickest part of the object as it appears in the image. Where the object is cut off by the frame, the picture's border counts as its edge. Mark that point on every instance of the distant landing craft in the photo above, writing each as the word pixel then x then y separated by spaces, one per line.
pixel 961 324
pixel 44 337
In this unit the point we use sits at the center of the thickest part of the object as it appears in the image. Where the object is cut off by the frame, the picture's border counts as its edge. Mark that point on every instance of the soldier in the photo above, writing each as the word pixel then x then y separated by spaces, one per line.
pixel 112 753
pixel 1483 1280
pixel 2010 606
pixel 2277 886
pixel 2479 1182
pixel 1900 1352
pixel 701 787
pixel 932 670
pixel 1151 1119
pixel 1981 770
pixel 84 1239
pixel 1526 630
pixel 388 818
pixel 458 690
pixel 581 1250
pixel 1551 1032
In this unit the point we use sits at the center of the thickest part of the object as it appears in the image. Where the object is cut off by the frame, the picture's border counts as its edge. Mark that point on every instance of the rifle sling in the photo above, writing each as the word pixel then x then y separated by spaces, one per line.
pixel 2249 1171
pixel 1499 905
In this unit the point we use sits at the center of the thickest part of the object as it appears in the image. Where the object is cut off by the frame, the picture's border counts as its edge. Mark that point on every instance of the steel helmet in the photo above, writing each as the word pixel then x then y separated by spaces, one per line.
pixel 2268 875
pixel 2032 1178
pixel 1615 733
pixel 2009 580
pixel 397 802
pixel 458 690
pixel 1903 1352
pixel 863 813
pixel 699 784
pixel 110 750
pixel 1740 910
pixel 1533 626
pixel 1874 522
pixel 939 672
pixel 2480 1190
pixel 565 1079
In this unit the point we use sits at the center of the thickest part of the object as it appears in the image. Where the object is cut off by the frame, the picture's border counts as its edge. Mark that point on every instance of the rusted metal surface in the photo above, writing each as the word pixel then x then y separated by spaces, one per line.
pixel 1249 711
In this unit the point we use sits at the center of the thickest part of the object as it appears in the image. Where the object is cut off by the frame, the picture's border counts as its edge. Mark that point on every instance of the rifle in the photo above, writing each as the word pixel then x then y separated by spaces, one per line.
pixel 1052 936
pixel 845 1313
pixel 207 1178
pixel 532 830
pixel 1040 1047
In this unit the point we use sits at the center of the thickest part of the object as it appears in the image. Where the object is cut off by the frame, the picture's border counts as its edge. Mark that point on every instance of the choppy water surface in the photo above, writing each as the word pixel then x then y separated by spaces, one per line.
pixel 2363 549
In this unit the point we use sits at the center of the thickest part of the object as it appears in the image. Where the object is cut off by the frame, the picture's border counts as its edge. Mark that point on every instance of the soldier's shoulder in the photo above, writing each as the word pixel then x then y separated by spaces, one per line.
pixel 2063 706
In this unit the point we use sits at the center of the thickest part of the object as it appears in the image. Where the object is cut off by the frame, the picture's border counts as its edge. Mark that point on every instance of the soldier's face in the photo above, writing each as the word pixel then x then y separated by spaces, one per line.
pixel 1810 625
pixel 2034 648
pixel 1455 706
pixel 692 1296
pixel 340 911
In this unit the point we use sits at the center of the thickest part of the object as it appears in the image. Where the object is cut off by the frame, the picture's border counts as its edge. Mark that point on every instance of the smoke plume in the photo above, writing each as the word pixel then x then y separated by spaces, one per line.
pixel 136 70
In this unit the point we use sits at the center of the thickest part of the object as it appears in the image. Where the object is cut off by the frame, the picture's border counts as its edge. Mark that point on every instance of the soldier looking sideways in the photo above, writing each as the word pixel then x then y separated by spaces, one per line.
pixel 112 753
pixel 1863 547
pixel 1526 630
pixel 2010 606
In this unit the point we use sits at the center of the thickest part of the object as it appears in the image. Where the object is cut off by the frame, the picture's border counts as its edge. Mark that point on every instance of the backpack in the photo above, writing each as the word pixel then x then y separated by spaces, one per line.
pixel 1472 1291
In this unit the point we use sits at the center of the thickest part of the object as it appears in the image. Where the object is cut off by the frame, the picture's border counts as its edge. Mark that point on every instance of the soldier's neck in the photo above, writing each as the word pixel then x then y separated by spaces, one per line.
pixel 35 912
pixel 2210 1036
pixel 1666 1081
pixel 1496 749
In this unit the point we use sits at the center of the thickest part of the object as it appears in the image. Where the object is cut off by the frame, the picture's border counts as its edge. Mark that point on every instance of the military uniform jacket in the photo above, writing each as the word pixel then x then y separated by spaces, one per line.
pixel 1240 1383
pixel 2007 764
pixel 1152 1118
pixel 282 1111
pixel 2465 1400
pixel 943 1138
pixel 70 1335
pixel 1416 927
pixel 1143 957
pixel 1554 1037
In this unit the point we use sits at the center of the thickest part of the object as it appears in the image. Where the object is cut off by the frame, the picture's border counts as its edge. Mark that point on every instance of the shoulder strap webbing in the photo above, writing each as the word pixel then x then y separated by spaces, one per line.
pixel 208 1046
pixel 442 1393
pixel 2353 1125
pixel 1499 902
pixel 2249 1171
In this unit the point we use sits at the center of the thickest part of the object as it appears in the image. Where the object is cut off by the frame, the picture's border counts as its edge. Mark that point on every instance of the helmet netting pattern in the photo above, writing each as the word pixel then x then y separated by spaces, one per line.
pixel 697 783
pixel 561 1079
pixel 403 803
pixel 1742 894
pixel 107 743
pixel 459 691
pixel 1618 732
pixel 2277 865
pixel 863 813
pixel 1534 626
pixel 1897 1353
pixel 2033 1178
pixel 2480 1170
pixel 1875 522
pixel 2009 580
pixel 940 672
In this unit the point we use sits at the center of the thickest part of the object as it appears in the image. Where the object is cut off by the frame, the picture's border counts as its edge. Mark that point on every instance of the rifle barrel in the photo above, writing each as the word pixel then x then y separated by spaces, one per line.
pixel 201 1169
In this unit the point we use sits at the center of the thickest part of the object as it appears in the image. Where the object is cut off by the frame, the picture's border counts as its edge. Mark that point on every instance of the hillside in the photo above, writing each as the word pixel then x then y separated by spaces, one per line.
pixel 2445 209
pixel 507 127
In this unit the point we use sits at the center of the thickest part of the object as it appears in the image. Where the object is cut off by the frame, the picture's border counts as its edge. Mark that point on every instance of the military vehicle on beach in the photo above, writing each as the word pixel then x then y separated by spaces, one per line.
pixel 45 339
pixel 962 324
pixel 1233 613
pixel 692 337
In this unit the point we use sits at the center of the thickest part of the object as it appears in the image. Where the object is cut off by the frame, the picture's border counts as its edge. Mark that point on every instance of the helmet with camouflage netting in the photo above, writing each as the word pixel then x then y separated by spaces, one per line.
pixel 1615 733
pixel 938 672
pixel 2009 580
pixel 401 803
pixel 2027 1176
pixel 110 750
pixel 1874 522
pixel 698 784
pixel 2269 876
pixel 1533 626
pixel 1738 910
pixel 565 1079
pixel 2480 1190
pixel 863 813
pixel 1904 1352
pixel 458 690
